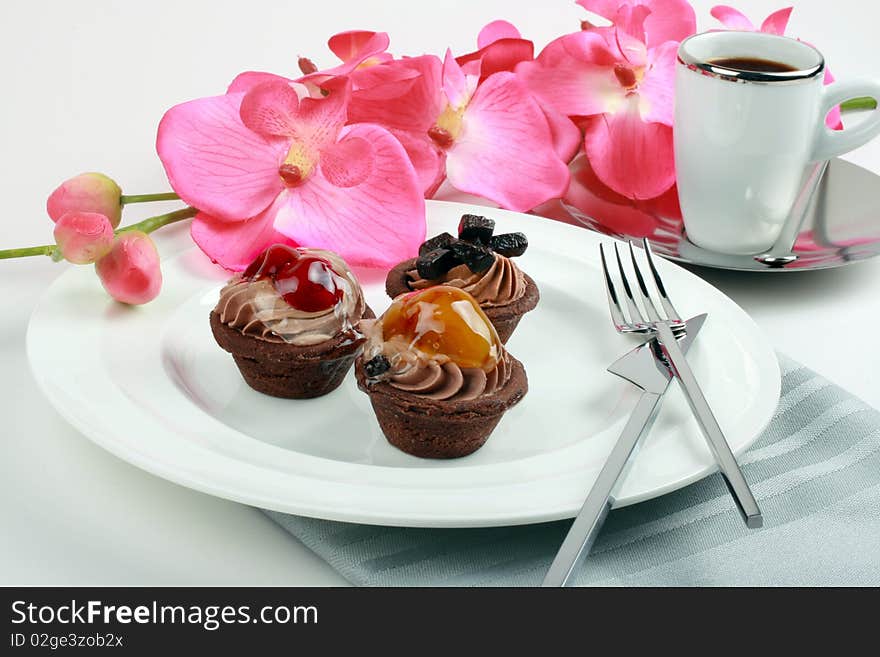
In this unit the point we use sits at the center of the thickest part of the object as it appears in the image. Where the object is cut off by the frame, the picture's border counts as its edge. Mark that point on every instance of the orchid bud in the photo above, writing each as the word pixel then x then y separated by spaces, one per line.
pixel 83 237
pixel 307 66
pixel 130 272
pixel 87 192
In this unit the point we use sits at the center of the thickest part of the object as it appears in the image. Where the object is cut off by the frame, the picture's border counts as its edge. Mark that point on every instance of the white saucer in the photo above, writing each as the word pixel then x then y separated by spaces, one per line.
pixel 837 225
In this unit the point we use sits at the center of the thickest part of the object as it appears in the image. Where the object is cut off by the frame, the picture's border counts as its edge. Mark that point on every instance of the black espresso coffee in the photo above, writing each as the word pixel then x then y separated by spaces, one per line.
pixel 752 65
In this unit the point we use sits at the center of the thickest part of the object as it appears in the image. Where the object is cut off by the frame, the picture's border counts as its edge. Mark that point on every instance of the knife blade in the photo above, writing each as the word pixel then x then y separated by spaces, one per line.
pixel 643 368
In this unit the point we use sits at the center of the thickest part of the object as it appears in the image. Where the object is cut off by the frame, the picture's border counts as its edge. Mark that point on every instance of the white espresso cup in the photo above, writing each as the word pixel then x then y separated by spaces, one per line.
pixel 743 138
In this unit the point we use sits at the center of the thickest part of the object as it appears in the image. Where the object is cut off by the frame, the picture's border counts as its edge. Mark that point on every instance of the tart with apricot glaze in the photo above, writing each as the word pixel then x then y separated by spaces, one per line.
pixel 438 376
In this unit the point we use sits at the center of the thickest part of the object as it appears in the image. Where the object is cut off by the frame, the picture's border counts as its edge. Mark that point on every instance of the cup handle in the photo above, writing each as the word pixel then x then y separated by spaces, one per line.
pixel 831 143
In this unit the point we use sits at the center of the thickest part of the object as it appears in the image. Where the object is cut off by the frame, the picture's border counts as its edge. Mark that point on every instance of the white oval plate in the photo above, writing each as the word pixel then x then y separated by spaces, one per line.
pixel 150 385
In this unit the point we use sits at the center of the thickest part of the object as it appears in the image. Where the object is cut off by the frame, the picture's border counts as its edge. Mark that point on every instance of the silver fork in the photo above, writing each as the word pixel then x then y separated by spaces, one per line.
pixel 664 330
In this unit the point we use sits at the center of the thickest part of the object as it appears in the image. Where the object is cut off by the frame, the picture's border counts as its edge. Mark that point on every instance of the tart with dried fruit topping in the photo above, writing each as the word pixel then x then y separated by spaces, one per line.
pixel 478 262
pixel 290 321
pixel 437 374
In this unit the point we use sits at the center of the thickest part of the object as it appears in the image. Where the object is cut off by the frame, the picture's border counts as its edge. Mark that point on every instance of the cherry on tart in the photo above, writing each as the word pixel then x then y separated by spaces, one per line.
pixel 305 281
pixel 290 321
pixel 444 320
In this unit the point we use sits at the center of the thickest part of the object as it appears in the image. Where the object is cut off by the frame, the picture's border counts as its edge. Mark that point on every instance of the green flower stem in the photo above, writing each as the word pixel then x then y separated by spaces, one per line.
pixel 145 226
pixel 147 198
pixel 48 250
pixel 858 104
pixel 152 223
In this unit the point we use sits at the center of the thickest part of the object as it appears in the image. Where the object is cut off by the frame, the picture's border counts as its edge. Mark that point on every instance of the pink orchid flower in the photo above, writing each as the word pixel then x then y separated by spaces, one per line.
pixel 776 23
pixel 357 49
pixel 268 163
pixel 500 48
pixel 403 96
pixel 498 142
pixel 404 84
pixel 618 81
pixel 488 138
pixel 653 22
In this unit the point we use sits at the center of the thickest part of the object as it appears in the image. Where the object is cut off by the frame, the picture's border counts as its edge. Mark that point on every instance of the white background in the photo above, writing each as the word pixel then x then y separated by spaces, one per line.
pixel 84 85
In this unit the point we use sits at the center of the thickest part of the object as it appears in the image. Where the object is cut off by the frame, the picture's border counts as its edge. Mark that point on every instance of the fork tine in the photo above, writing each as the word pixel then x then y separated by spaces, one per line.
pixel 617 315
pixel 634 311
pixel 647 302
pixel 665 301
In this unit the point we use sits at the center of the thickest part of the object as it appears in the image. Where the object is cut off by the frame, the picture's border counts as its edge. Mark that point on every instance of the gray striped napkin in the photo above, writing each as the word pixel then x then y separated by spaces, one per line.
pixel 815 471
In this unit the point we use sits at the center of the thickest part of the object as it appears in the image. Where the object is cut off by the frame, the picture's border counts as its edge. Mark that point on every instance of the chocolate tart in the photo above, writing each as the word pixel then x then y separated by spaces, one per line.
pixel 441 429
pixel 286 370
pixel 504 318
pixel 437 375
pixel 290 321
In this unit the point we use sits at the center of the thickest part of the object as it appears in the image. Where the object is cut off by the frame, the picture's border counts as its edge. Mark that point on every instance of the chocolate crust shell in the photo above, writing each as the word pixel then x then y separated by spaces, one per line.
pixel 439 429
pixel 285 370
pixel 504 318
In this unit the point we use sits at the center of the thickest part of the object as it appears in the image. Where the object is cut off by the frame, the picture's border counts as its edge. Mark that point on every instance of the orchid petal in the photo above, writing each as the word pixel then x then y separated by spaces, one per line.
pixel 348 162
pixel 270 109
pixel 500 55
pixel 471 67
pixel 497 30
pixel 632 49
pixel 776 22
pixel 505 152
pixel 385 82
pixel 246 81
pixel 358 45
pixel 428 160
pixel 670 20
pixel 565 135
pixel 214 162
pixel 652 21
pixel 732 18
pixel 631 20
pixel 657 89
pixel 354 48
pixel 572 86
pixel 275 109
pixel 319 120
pixel 406 99
pixel 455 84
pixel 631 157
pixel 378 222
pixel 234 245
pixel 415 109
pixel 600 46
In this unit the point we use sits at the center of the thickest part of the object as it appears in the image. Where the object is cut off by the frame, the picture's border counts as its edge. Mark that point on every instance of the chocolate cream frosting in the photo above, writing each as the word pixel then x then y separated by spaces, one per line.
pixel 431 376
pixel 255 308
pixel 501 284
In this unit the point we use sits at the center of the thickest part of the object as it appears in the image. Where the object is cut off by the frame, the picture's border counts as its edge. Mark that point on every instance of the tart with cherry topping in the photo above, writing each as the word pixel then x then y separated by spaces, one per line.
pixel 477 261
pixel 290 321
pixel 438 375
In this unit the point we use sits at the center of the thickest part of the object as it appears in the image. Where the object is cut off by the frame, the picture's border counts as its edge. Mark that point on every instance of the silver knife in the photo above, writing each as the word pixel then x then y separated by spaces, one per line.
pixel 643 367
